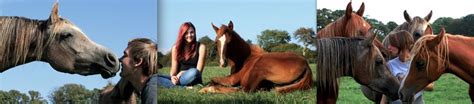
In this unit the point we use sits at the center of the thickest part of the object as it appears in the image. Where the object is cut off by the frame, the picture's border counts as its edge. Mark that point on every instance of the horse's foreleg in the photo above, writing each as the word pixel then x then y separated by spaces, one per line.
pixel 218 89
pixel 226 81
pixel 251 81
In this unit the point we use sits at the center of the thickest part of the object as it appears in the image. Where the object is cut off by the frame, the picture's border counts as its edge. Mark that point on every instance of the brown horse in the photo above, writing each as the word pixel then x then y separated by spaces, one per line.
pixel 349 25
pixel 253 69
pixel 435 55
pixel 56 41
pixel 353 25
pixel 356 57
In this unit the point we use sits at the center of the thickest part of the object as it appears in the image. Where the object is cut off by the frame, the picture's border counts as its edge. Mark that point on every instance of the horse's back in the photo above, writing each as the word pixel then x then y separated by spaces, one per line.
pixel 281 67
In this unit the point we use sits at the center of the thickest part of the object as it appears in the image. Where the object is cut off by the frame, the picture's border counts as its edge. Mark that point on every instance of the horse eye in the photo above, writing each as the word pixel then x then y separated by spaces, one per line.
pixel 65 36
pixel 420 64
pixel 378 62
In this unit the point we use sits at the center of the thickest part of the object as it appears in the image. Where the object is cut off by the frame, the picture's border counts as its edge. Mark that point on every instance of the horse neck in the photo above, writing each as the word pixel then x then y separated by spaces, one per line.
pixel 460 60
pixel 238 50
pixel 331 30
pixel 334 29
pixel 19 34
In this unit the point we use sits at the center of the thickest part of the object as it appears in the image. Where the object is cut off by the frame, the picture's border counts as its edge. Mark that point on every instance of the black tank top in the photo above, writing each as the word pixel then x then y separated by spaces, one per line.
pixel 191 62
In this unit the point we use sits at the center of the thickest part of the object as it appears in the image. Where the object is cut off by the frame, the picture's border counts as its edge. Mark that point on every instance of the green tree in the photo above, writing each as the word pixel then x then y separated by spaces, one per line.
pixel 326 16
pixel 210 48
pixel 441 22
pixel 13 97
pixel 249 41
pixel 391 25
pixel 462 26
pixel 164 59
pixel 306 36
pixel 18 96
pixel 71 94
pixel 35 98
pixel 380 28
pixel 289 47
pixel 272 38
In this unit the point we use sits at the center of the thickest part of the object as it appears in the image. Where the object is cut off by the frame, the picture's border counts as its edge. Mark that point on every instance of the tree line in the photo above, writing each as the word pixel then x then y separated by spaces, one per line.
pixel 66 94
pixel 271 40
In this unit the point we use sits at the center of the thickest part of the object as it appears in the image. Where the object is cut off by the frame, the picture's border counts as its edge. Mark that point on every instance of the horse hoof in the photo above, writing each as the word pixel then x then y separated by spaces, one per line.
pixel 207 89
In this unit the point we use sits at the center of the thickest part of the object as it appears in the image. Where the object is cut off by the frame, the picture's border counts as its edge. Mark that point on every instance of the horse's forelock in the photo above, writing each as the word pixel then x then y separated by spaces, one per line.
pixel 442 50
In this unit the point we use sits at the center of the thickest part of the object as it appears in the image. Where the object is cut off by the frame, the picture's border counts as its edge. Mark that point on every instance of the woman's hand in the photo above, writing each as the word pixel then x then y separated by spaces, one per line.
pixel 174 80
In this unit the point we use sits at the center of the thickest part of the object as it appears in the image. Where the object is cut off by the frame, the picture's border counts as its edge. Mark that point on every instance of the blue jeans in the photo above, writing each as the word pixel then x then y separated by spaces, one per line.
pixel 190 77
pixel 165 81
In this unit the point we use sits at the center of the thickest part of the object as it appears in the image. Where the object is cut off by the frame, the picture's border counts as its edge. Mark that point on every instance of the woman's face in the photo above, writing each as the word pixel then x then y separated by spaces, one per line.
pixel 392 50
pixel 190 35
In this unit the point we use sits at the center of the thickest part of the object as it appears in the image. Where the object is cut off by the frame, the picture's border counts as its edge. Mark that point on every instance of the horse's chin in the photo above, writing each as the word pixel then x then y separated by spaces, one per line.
pixel 93 69
pixel 222 66
pixel 105 73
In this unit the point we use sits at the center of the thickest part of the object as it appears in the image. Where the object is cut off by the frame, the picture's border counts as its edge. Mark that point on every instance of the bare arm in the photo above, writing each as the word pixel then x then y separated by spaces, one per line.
pixel 174 61
pixel 202 58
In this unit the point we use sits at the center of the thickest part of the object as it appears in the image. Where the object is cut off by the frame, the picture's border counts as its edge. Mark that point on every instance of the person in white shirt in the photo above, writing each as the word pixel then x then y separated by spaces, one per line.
pixel 399 46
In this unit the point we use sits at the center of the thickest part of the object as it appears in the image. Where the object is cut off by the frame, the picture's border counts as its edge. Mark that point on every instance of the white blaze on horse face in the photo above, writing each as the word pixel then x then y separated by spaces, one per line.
pixel 222 40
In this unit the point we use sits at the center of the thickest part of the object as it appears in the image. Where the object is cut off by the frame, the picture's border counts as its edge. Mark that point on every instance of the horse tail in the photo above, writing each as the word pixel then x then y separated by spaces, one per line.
pixel 305 82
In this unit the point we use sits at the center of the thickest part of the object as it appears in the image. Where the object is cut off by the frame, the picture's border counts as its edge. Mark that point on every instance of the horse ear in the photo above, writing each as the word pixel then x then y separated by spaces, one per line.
pixel 440 37
pixel 54 17
pixel 369 40
pixel 361 10
pixel 231 25
pixel 428 30
pixel 214 27
pixel 349 10
pixel 407 17
pixel 428 17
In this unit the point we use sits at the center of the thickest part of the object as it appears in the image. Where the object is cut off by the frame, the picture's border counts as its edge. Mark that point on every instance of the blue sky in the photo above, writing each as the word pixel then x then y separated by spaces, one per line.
pixel 250 17
pixel 111 23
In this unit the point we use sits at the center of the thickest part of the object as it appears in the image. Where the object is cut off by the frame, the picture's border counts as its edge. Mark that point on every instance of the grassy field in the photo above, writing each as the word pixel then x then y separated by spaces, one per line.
pixel 448 89
pixel 191 96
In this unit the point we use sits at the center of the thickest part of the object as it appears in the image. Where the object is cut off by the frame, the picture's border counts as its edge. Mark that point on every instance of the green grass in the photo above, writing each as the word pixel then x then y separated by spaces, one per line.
pixel 181 95
pixel 449 89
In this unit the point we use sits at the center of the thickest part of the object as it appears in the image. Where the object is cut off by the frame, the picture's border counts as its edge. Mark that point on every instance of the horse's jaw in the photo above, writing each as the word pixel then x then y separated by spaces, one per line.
pixel 406 94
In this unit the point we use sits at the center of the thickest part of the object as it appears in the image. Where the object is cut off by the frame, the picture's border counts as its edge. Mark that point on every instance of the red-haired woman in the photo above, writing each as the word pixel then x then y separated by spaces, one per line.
pixel 187 57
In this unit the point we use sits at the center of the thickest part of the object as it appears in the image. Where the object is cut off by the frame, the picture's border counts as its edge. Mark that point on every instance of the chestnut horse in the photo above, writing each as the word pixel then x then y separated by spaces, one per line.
pixel 349 25
pixel 356 57
pixel 253 69
pixel 56 41
pixel 435 55
pixel 353 25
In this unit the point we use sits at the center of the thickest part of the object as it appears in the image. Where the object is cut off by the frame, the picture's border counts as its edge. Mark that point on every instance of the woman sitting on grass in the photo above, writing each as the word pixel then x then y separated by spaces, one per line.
pixel 187 58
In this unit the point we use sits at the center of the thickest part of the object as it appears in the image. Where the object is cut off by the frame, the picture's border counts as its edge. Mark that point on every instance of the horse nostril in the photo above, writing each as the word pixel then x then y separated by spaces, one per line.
pixel 110 60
